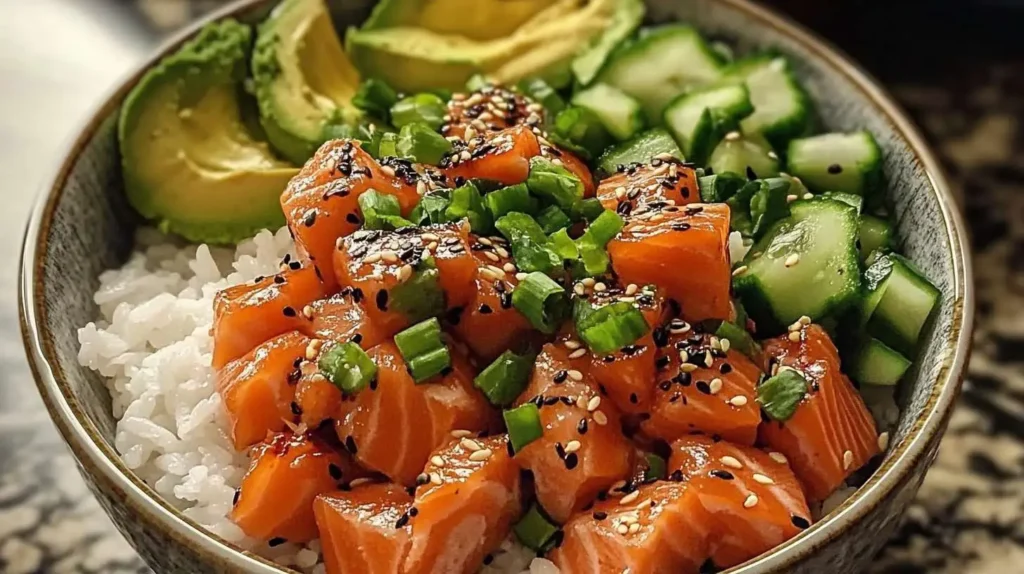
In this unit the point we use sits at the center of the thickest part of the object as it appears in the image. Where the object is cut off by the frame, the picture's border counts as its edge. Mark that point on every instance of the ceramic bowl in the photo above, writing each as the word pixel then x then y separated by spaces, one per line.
pixel 82 225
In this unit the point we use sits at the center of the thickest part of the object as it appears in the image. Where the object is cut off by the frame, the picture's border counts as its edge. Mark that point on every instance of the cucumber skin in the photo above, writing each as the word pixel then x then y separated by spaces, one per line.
pixel 712 126
pixel 611 158
pixel 867 368
pixel 883 328
pixel 780 133
pixel 819 180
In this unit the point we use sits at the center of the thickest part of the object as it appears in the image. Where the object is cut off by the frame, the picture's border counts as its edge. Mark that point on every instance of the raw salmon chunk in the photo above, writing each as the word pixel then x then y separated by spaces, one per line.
pixel 258 389
pixel 489 324
pixel 404 276
pixel 572 164
pixel 275 501
pixel 831 434
pixel 248 314
pixel 660 528
pixel 502 156
pixel 641 188
pixel 341 319
pixel 685 251
pixel 393 424
pixel 490 109
pixel 582 451
pixel 465 507
pixel 754 501
pixel 321 202
pixel 713 391
pixel 362 530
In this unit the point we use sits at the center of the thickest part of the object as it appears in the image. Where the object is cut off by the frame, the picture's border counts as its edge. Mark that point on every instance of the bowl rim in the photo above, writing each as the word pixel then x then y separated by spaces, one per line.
pixel 102 462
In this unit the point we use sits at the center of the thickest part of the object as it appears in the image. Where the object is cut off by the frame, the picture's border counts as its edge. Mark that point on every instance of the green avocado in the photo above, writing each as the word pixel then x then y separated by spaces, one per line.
pixel 303 79
pixel 417 45
pixel 190 161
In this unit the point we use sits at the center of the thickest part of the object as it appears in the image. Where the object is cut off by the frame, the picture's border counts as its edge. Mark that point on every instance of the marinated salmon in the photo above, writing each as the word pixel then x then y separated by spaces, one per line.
pixel 831 434
pixel 258 389
pixel 248 314
pixel 642 188
pixel 684 251
pixel 321 203
pixel 404 276
pixel 703 386
pixel 465 507
pixel 364 530
pixel 502 156
pixel 487 110
pixel 342 319
pixel 753 500
pixel 574 165
pixel 275 501
pixel 582 451
pixel 659 528
pixel 393 424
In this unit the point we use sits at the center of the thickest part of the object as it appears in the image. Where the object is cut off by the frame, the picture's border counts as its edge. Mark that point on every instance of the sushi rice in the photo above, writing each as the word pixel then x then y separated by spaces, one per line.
pixel 152 346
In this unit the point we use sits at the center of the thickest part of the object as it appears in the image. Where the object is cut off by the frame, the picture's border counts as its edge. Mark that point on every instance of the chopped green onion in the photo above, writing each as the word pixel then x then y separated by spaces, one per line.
pixel 529 243
pixel 432 208
pixel 535 531
pixel 610 327
pixel 580 131
pixel 780 395
pixel 388 145
pixel 348 367
pixel 420 296
pixel 422 108
pixel 719 187
pixel 542 301
pixel 375 97
pixel 553 183
pixel 505 378
pixel 656 467
pixel 423 367
pixel 363 132
pixel 381 211
pixel 563 245
pixel 467 202
pixel 595 259
pixel 586 210
pixel 421 144
pixel 551 219
pixel 523 423
pixel 603 229
pixel 508 199
pixel 541 92
pixel 739 339
pixel 477 82
pixel 769 204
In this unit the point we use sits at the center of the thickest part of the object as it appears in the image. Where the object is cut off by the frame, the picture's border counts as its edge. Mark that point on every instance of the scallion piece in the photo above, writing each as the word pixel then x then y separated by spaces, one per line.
pixel 580 130
pixel 536 531
pixel 541 92
pixel 586 210
pixel 427 365
pixel 529 243
pixel 656 467
pixel 388 145
pixel 420 296
pixel 381 211
pixel 563 245
pixel 477 82
pixel 432 208
pixel 594 259
pixel 348 367
pixel 423 349
pixel 523 424
pixel 505 378
pixel 375 97
pixel 780 395
pixel 609 328
pixel 467 202
pixel 420 108
pixel 542 301
pixel 551 219
pixel 508 199
pixel 553 183
pixel 603 229
pixel 421 144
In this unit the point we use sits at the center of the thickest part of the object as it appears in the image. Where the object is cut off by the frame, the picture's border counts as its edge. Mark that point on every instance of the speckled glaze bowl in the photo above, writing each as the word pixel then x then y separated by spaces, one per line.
pixel 82 225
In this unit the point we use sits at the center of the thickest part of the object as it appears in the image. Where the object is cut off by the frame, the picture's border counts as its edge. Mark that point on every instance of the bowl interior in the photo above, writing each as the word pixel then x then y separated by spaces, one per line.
pixel 85 225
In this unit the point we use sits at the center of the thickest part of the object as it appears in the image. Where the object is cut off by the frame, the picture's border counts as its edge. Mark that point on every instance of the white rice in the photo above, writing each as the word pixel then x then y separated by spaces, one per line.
pixel 153 346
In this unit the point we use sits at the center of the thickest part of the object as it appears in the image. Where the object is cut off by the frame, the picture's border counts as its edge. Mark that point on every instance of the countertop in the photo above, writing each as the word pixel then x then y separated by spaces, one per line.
pixel 959 72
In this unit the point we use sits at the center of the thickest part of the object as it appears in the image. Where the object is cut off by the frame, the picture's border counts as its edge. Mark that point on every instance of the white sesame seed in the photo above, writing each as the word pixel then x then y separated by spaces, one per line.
pixel 488 273
pixel 628 518
pixel 622 529
pixel 572 446
pixel 389 256
pixel 470 133
pixel 631 289
pixel 795 326
pixel 593 403
pixel 577 353
pixel 732 136
pixel 600 418
pixel 435 478
pixel 501 251
pixel 579 289
pixel 715 385
pixel 883 442
pixel 310 352
pixel 758 477
pixel 632 496
pixel 778 457
pixel 634 528
pixel 588 281
pixel 360 481
pixel 687 367
pixel 581 402
pixel 405 273
pixel 372 258
pixel 750 501
pixel 772 154
pixel 805 320
pixel 791 198
pixel 421 188
pixel 340 243
pixel 620 192
pixel 600 287
pixel 684 356
pixel 571 344
pixel 432 246
pixel 726 344
pixel 520 276
pixel 461 433
pixel 470 444
pixel 716 343
pixel 792 260
pixel 847 460
pixel 436 460
pixel 794 336
pixel 492 256
pixel 731 462
pixel 738 401
pixel 307 312
pixel 429 237
pixel 575 375
pixel 481 455
pixel 708 359
pixel 388 170
pixel 806 195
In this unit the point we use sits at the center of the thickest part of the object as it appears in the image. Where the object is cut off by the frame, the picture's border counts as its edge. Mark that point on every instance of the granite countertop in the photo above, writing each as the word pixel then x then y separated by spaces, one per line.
pixel 967 94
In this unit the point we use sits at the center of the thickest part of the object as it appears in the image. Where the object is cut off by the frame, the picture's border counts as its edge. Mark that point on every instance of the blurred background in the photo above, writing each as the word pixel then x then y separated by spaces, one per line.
pixel 956 66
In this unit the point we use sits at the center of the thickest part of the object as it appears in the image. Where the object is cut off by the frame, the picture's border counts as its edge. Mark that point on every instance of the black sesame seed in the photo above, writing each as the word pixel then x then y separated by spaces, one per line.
pixel 751 174
pixel 352 218
pixel 681 226
pixel 723 474
pixel 801 522
pixel 238 494
pixel 296 409
pixel 600 515
pixel 289 312
pixel 402 521
pixel 278 279
pixel 582 427
pixel 703 387
pixel 382 299
pixel 560 376
pixel 453 315
pixel 665 385
pixel 660 337
pixel 373 384
pixel 357 338
pixel 276 541
pixel 685 191
pixel 350 444
pixel 835 169
pixel 506 300
pixel 676 476
pixel 725 368
pixel 488 559
pixel 335 471
pixel 551 400
pixel 295 266
pixel 633 398
pixel 485 309
pixel 310 218
pixel 571 461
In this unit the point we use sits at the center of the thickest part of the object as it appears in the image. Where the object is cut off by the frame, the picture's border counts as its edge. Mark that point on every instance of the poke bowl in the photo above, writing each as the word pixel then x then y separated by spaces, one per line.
pixel 585 286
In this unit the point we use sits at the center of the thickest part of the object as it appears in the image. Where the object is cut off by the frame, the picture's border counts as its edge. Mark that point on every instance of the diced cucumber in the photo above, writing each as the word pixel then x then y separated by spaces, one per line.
pixel 875 363
pixel 805 264
pixel 619 113
pixel 641 149
pixel 699 119
pixel 748 156
pixel 661 64
pixel 628 15
pixel 719 187
pixel 897 303
pixel 852 199
pixel 782 109
pixel 875 234
pixel 837 162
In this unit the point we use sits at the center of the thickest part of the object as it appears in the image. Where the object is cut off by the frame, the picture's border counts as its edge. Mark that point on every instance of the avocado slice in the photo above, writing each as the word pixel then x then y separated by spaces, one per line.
pixel 189 161
pixel 302 76
pixel 416 51
pixel 628 16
